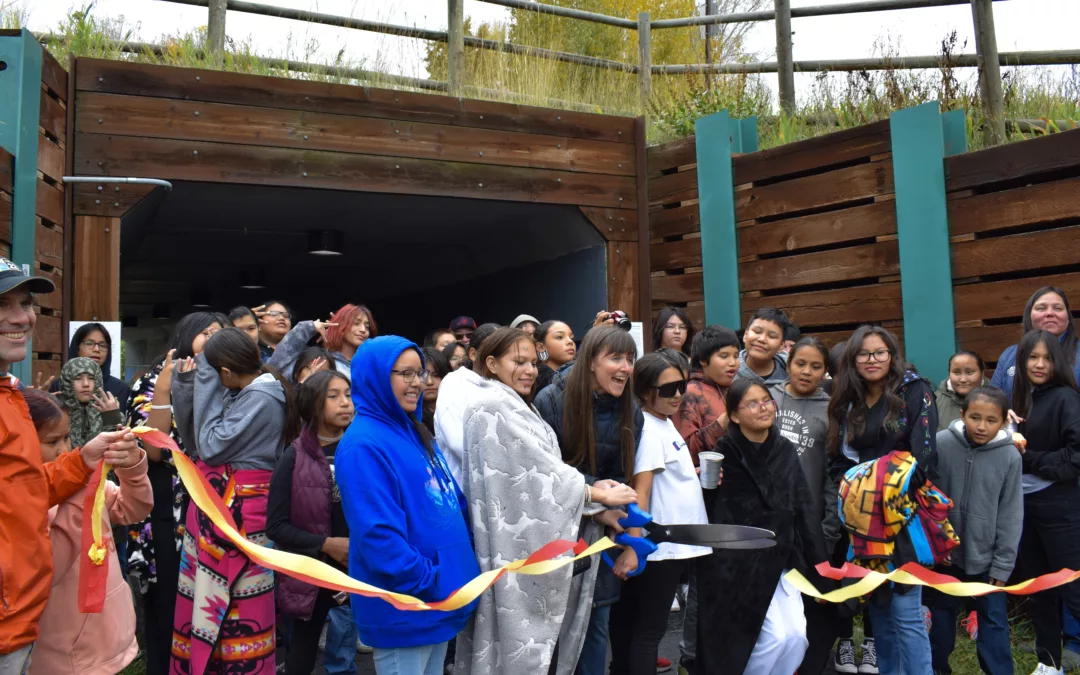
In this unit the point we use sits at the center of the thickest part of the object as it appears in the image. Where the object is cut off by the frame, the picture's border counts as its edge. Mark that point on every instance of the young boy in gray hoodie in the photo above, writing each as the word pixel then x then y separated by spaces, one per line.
pixel 979 469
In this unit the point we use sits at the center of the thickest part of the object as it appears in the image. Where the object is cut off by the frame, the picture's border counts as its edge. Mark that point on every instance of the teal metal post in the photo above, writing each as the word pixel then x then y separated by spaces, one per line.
pixel 954 127
pixel 20 105
pixel 919 147
pixel 717 137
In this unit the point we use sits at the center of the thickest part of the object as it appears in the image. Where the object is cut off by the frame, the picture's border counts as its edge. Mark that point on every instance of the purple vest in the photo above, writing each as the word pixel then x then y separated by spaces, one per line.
pixel 310 511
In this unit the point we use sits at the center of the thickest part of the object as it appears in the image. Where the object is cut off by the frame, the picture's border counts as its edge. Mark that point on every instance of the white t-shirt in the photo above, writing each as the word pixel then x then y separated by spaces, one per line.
pixel 676 493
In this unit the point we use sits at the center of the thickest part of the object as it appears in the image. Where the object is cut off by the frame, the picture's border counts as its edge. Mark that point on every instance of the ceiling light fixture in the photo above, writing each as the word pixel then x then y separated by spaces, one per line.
pixel 161 310
pixel 201 299
pixel 252 279
pixel 326 242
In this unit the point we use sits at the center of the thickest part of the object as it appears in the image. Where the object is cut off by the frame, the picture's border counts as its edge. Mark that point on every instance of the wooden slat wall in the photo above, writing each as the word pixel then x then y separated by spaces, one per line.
pixel 49 236
pixel 675 228
pixel 816 227
pixel 1014 221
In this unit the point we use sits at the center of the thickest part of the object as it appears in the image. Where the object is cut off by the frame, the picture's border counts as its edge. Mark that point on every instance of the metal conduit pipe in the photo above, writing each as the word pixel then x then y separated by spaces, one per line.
pixel 817 10
pixel 113 179
pixel 1048 58
pixel 541 8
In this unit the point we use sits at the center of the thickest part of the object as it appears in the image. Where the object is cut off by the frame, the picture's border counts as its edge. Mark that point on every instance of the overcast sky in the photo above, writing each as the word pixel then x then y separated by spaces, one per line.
pixel 1022 25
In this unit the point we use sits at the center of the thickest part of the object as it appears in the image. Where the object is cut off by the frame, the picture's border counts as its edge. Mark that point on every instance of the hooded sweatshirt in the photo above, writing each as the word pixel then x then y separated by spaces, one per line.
pixel 241 428
pixel 779 373
pixel 113 385
pixel 949 402
pixel 701 407
pixel 1052 429
pixel 988 502
pixel 407 517
pixel 457 391
pixel 805 422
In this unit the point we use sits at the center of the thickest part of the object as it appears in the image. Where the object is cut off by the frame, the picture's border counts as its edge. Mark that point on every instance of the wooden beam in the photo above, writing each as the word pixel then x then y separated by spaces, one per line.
pixel 228 163
pixel 613 224
pixel 112 199
pixel 97 269
pixel 642 287
pixel 622 262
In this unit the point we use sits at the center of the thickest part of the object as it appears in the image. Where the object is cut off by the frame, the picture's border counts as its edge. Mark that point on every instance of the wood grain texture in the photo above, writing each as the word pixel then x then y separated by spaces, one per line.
pixel 97 269
pixel 1015 253
pixel 613 224
pixel 859 304
pixel 139 79
pixel 52 300
pixel 53 75
pixel 228 163
pixel 672 154
pixel 622 272
pixel 1050 153
pixel 5 220
pixel 112 199
pixel 679 221
pixel 846 264
pixel 811 192
pixel 678 288
pixel 679 254
pixel 53 117
pixel 49 245
pixel 1003 299
pixel 989 341
pixel 813 153
pixel 47 335
pixel 1028 205
pixel 47 367
pixel 50 159
pixel 791 234
pixel 276 127
pixel 50 203
pixel 7 170
pixel 673 187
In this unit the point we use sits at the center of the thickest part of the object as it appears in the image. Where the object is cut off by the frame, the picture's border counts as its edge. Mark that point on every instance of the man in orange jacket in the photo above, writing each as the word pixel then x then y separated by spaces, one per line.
pixel 29 488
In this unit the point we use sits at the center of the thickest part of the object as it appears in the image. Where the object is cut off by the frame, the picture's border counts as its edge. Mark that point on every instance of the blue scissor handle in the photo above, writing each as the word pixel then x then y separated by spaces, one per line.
pixel 635 517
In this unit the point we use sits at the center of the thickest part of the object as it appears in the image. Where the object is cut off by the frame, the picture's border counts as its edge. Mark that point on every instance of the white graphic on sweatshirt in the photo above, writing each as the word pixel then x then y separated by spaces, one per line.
pixel 796 429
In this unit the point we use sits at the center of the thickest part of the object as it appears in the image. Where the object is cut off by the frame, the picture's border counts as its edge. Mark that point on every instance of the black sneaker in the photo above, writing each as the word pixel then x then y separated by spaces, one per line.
pixel 868 663
pixel 845 657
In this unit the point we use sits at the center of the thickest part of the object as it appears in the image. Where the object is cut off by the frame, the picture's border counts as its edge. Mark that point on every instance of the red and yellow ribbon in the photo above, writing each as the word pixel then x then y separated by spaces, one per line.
pixel 93 572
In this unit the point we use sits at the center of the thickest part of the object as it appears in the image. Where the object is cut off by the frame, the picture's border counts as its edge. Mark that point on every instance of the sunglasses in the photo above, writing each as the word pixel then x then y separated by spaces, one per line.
pixel 671 389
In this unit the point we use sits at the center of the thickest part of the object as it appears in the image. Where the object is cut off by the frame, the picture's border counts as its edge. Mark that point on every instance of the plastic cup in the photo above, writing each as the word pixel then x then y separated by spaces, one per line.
pixel 710 463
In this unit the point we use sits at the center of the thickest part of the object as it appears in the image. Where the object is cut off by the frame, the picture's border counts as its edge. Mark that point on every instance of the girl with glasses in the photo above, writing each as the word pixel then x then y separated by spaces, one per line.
pixel 667 487
pixel 744 597
pixel 880 404
pixel 511 451
pixel 92 341
pixel 673 330
pixel 406 514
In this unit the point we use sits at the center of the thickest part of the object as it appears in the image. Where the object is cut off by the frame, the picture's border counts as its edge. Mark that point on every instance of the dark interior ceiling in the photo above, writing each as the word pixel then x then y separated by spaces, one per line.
pixel 200 237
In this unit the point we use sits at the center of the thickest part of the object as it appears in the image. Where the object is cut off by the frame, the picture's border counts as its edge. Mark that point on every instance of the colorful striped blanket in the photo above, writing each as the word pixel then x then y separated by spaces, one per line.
pixel 891 521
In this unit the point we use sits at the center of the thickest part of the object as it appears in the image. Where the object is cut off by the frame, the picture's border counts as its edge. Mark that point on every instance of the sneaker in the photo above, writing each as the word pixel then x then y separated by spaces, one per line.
pixel 675 607
pixel 1044 669
pixel 363 648
pixel 845 657
pixel 662 665
pixel 927 618
pixel 971 625
pixel 1070 660
pixel 868 663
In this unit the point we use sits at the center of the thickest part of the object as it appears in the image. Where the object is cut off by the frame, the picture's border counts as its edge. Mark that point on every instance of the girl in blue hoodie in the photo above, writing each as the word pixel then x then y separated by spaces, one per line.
pixel 406 514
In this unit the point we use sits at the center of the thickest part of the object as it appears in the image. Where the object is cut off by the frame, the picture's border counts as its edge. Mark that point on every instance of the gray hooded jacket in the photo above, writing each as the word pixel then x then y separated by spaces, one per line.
pixel 988 501
pixel 220 426
pixel 778 376
pixel 805 422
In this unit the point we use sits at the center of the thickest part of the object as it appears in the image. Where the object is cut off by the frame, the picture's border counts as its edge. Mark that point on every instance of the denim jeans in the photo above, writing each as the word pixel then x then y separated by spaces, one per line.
pixel 17 662
pixel 426 660
pixel 900 634
pixel 992 643
pixel 593 659
pixel 1071 628
pixel 339 656
pixel 688 644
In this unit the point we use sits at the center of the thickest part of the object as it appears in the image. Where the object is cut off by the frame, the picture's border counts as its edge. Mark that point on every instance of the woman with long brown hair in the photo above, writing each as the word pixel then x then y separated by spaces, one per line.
pixel 598 423
pixel 236 415
pixel 880 404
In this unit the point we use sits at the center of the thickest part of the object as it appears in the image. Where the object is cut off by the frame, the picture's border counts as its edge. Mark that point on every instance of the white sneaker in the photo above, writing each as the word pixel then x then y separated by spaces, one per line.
pixel 868 662
pixel 675 607
pixel 845 657
pixel 363 648
pixel 1044 669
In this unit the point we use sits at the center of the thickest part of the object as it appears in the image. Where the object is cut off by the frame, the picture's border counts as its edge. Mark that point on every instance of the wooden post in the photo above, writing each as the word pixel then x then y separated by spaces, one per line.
pixel 785 68
pixel 710 9
pixel 644 32
pixel 215 29
pixel 455 31
pixel 986 52
pixel 97 269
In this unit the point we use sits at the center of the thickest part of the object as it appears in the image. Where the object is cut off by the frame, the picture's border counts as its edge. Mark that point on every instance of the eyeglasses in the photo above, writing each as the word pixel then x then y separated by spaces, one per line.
pixel 409 376
pixel 755 406
pixel 675 327
pixel 671 389
pixel 90 344
pixel 463 335
pixel 880 356
pixel 277 314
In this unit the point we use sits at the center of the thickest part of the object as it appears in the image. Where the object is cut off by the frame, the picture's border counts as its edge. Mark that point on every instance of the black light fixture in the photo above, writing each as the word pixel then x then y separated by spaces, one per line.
pixel 201 299
pixel 253 279
pixel 129 322
pixel 326 242
pixel 161 310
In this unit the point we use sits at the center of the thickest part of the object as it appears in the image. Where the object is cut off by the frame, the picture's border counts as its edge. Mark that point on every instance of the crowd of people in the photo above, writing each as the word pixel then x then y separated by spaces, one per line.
pixel 479 444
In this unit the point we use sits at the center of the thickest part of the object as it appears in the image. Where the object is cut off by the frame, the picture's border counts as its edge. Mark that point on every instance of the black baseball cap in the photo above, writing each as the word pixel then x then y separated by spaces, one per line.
pixel 12 277
pixel 463 323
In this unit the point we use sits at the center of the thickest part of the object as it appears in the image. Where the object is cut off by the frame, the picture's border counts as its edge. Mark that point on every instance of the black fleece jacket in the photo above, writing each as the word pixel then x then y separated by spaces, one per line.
pixel 1052 429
